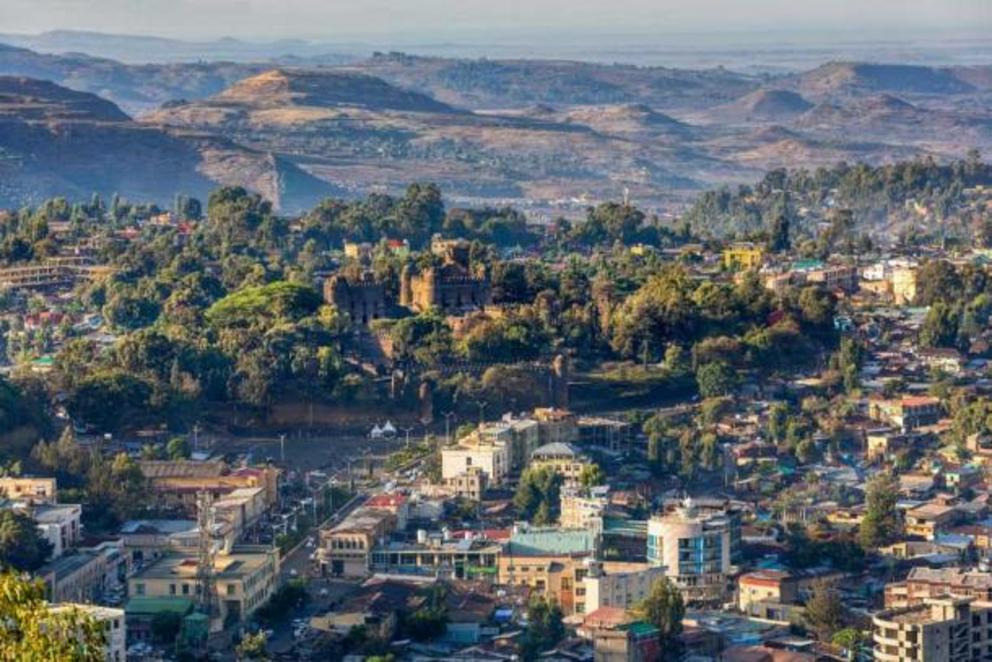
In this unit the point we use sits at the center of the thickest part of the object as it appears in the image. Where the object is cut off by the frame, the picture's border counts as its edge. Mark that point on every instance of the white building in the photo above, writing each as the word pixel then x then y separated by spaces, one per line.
pixel 59 525
pixel 697 547
pixel 492 458
pixel 618 589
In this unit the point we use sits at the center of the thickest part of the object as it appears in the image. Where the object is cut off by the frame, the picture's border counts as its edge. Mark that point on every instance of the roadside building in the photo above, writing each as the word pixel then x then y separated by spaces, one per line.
pixel 244 579
pixel 75 577
pixel 623 587
pixel 583 508
pixel 346 548
pixel 492 457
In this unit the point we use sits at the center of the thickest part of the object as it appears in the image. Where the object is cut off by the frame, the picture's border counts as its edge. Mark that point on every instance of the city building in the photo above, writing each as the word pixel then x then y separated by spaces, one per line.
pixel 244 579
pixel 624 586
pixel 556 425
pixel 346 548
pixel 59 524
pixel 943 629
pixel 78 577
pixel 742 257
pixel 924 583
pixel 176 483
pixel 434 556
pixel 29 490
pixel 474 451
pixel 583 508
pixel 697 547
pixel 469 484
pixel 563 458
pixel 113 622
pixel 908 413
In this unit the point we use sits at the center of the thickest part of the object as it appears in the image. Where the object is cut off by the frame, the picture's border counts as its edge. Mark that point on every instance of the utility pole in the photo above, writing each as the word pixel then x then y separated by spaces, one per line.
pixel 196 437
pixel 408 431
pixel 282 449
pixel 482 408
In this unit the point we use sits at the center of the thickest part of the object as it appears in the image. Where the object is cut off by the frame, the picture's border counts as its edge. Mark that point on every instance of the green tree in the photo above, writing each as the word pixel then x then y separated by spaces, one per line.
pixel 253 647
pixel 592 475
pixel 178 448
pixel 664 609
pixel 824 612
pixel 21 544
pixel 715 379
pixel 32 632
pixel 545 627
pixel 538 494
pixel 880 525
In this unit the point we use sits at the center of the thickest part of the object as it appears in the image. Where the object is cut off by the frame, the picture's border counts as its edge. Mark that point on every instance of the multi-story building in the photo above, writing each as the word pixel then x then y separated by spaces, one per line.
pixel 79 577
pixel 435 557
pixel 59 524
pixel 943 629
pixel 29 490
pixel 929 519
pixel 346 548
pixel 605 432
pixel 244 579
pixel 470 484
pixel 520 434
pixel 176 483
pixel 742 257
pixel 618 585
pixel 492 456
pixel 556 425
pixel 835 277
pixel 551 561
pixel 924 583
pixel 564 459
pixel 776 595
pixel 697 547
pixel 113 622
pixel 908 413
pixel 904 285
pixel 583 508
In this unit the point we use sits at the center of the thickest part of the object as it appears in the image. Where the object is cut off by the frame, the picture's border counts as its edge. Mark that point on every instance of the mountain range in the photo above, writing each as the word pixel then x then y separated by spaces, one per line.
pixel 546 135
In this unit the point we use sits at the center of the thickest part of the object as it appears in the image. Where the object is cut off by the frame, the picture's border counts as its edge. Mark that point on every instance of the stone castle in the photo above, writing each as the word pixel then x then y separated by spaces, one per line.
pixel 450 286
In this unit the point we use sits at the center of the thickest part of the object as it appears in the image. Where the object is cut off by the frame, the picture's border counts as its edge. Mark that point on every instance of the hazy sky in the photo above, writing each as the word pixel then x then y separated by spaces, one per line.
pixel 448 18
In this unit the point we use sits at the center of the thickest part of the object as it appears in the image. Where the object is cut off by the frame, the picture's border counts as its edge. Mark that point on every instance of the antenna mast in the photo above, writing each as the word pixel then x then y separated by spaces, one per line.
pixel 205 553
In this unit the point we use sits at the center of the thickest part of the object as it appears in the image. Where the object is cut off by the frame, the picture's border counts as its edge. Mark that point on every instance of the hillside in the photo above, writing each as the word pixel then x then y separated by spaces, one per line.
pixel 58 142
pixel 765 105
pixel 853 78
pixel 518 83
pixel 135 88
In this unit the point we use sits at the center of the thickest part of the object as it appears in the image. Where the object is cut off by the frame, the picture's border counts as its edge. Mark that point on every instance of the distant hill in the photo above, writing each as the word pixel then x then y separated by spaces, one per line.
pixel 765 105
pixel 500 84
pixel 58 142
pixel 852 78
pixel 326 89
pixel 136 88
pixel 139 49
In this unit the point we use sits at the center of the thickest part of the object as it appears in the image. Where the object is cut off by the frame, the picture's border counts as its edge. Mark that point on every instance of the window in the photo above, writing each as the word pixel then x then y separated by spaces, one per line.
pixel 230 589
pixel 139 589
pixel 172 589
pixel 185 589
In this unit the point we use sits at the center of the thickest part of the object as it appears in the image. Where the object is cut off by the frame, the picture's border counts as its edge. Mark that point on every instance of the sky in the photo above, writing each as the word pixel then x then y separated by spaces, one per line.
pixel 446 19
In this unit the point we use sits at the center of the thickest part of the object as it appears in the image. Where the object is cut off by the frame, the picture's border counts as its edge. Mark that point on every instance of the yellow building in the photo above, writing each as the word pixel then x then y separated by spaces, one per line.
pixel 244 579
pixel 904 286
pixel 563 458
pixel 743 256
pixel 33 490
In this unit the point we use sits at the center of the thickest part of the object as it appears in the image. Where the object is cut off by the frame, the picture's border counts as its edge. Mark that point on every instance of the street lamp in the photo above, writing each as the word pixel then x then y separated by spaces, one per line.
pixel 482 408
pixel 282 449
pixel 408 431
